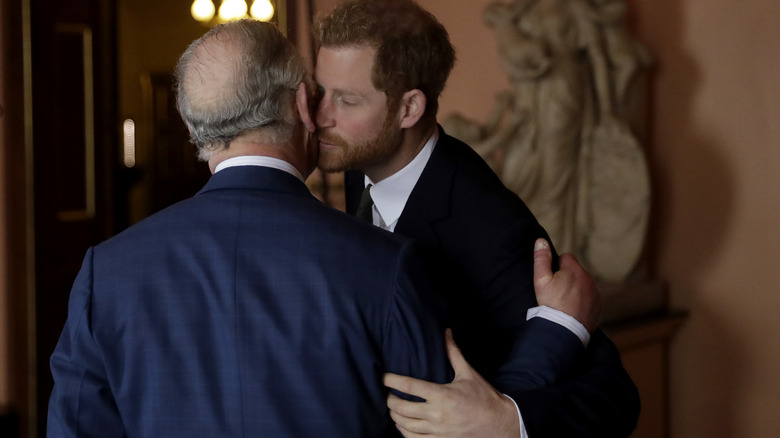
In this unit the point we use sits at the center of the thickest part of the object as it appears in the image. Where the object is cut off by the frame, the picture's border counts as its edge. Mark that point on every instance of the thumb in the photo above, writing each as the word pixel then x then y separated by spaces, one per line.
pixel 542 264
pixel 458 362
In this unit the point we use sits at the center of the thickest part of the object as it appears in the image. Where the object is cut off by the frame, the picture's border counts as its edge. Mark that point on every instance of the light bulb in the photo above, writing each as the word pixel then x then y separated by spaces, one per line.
pixel 202 10
pixel 232 10
pixel 262 10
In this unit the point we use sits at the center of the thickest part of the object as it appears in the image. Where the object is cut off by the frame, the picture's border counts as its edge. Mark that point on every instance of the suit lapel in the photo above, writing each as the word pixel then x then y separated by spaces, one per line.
pixel 430 200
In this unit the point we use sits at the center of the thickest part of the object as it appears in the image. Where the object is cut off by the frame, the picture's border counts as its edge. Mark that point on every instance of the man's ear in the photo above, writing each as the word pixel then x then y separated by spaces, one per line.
pixel 412 108
pixel 302 102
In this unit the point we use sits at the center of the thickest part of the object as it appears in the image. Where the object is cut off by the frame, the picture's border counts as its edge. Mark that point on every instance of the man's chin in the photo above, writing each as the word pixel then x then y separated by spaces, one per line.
pixel 329 165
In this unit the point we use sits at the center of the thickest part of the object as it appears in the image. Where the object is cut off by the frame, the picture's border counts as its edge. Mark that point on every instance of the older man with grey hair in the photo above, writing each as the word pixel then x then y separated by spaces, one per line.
pixel 250 309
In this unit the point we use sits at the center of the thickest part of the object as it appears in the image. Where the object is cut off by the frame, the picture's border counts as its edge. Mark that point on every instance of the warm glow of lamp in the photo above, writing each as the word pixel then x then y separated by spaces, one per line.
pixel 202 10
pixel 262 10
pixel 232 10
pixel 129 142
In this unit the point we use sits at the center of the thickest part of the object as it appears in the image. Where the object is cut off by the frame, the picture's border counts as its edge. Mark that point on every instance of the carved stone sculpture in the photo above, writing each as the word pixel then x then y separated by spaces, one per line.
pixel 564 137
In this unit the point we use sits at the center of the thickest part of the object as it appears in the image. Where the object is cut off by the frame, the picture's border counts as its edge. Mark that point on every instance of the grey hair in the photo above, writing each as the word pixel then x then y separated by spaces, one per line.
pixel 263 71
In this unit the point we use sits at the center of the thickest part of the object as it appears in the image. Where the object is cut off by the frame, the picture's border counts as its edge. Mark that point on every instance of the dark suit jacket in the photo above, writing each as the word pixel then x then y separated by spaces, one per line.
pixel 250 309
pixel 479 238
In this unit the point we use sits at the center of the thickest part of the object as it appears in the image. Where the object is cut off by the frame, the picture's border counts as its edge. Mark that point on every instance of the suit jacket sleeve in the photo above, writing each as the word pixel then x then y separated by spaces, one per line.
pixel 542 353
pixel 560 388
pixel 596 399
pixel 414 332
pixel 81 403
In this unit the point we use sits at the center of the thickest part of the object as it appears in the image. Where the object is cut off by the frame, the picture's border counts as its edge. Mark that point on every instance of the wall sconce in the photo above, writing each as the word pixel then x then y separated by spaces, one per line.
pixel 204 10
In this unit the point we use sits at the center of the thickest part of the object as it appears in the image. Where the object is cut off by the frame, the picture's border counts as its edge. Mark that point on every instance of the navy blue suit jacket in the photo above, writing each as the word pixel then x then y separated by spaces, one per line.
pixel 479 238
pixel 250 309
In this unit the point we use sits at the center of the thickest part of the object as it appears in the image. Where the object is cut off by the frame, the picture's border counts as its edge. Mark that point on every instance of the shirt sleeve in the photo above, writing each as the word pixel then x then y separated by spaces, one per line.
pixel 562 319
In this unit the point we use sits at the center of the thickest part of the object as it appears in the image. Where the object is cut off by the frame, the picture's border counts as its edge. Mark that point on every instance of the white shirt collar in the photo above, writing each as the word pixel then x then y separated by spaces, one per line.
pixel 257 160
pixel 390 194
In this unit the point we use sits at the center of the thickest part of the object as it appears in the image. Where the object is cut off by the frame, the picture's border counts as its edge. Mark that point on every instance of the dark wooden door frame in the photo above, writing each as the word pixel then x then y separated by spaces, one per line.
pixel 17 186
pixel 34 34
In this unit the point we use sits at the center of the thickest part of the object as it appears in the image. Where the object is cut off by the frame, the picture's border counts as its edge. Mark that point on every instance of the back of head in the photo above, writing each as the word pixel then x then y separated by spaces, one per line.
pixel 239 77
pixel 413 48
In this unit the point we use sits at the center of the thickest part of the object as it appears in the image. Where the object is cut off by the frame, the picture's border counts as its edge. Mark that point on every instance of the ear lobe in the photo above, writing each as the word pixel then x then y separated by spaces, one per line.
pixel 302 102
pixel 412 108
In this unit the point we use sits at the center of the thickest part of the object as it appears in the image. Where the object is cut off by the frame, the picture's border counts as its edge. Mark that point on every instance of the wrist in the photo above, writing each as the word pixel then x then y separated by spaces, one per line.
pixel 511 420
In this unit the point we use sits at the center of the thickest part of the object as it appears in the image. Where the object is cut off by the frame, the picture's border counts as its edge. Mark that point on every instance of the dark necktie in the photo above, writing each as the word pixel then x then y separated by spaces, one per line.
pixel 365 207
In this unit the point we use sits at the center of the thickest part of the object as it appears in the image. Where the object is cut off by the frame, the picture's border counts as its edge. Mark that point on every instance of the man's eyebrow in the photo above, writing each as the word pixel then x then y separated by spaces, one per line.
pixel 349 92
pixel 342 91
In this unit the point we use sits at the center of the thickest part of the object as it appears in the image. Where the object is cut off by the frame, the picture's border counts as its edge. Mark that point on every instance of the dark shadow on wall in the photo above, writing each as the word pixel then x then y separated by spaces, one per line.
pixel 693 193
pixel 707 191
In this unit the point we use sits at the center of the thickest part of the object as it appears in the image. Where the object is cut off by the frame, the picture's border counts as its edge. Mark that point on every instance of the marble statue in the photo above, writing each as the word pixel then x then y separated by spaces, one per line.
pixel 564 136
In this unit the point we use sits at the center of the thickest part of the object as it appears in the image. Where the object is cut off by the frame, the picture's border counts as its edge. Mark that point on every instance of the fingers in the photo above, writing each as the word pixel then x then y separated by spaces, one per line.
pixel 458 362
pixel 405 410
pixel 576 274
pixel 411 418
pixel 410 385
pixel 409 431
pixel 569 262
pixel 585 306
pixel 542 264
pixel 410 427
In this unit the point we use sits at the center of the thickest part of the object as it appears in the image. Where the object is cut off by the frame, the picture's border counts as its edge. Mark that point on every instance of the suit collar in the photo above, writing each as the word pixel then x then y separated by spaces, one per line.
pixel 259 160
pixel 255 178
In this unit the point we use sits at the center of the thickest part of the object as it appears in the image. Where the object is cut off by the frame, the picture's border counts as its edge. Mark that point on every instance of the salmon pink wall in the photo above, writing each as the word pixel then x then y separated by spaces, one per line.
pixel 716 162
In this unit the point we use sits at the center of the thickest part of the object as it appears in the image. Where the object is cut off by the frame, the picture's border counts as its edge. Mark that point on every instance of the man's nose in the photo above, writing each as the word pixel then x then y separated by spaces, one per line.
pixel 324 114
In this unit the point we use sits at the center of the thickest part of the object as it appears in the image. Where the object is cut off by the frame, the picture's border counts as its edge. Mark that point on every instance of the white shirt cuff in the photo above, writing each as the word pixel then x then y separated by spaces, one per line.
pixel 560 318
pixel 523 432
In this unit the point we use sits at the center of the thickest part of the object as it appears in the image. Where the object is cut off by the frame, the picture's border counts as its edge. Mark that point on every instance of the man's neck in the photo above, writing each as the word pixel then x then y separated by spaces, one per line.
pixel 412 141
pixel 249 145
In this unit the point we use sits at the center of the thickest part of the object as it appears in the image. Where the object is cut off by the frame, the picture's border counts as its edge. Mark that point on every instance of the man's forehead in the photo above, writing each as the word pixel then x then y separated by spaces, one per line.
pixel 347 71
pixel 366 51
pixel 337 59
